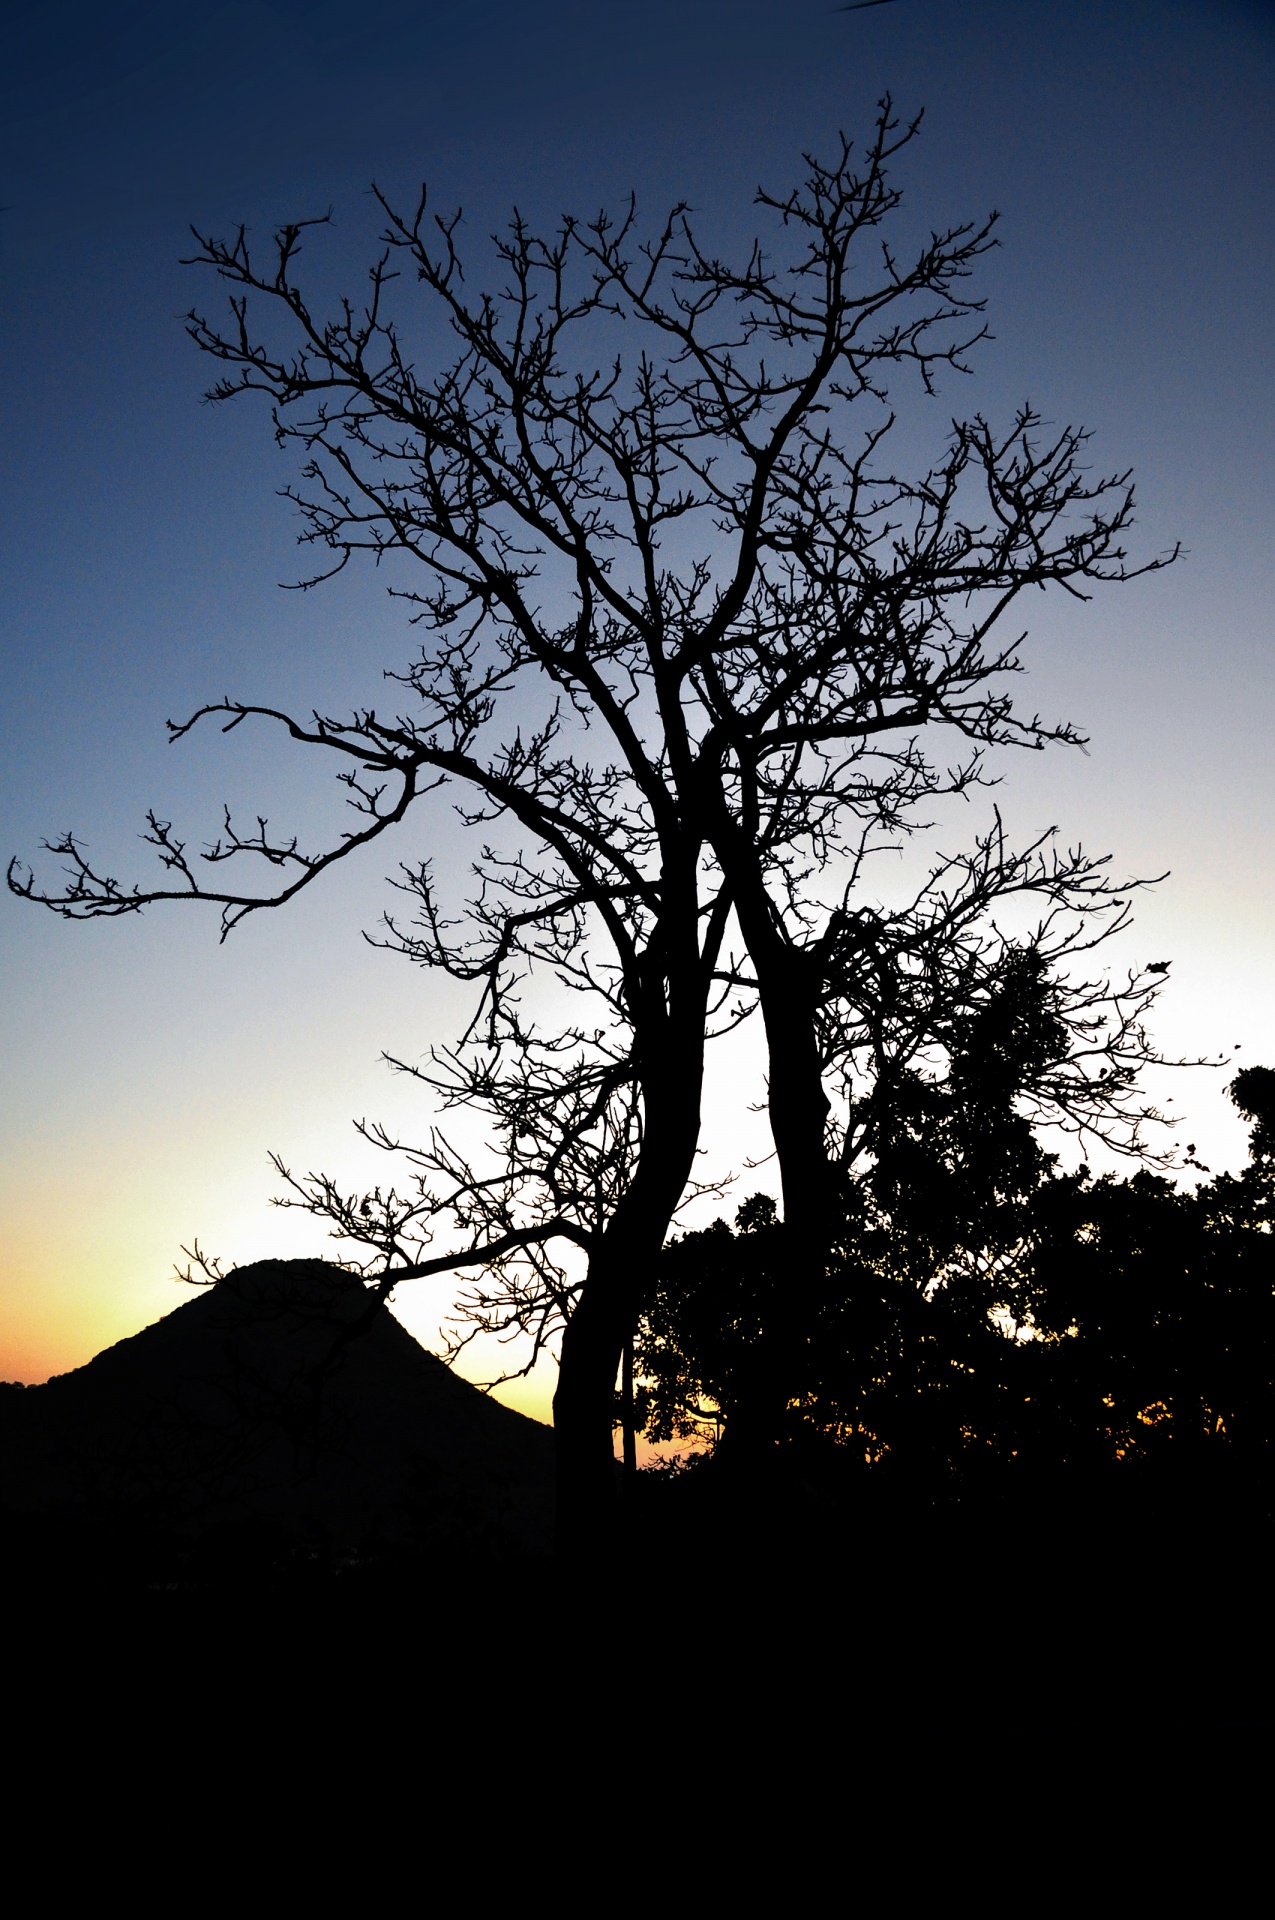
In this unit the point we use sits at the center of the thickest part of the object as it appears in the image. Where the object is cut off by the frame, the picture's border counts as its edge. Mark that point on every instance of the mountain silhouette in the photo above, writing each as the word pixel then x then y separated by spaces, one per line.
pixel 273 1404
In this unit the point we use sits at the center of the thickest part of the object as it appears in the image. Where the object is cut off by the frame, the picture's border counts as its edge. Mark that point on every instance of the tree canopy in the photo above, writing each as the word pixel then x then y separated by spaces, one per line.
pixel 1104 1338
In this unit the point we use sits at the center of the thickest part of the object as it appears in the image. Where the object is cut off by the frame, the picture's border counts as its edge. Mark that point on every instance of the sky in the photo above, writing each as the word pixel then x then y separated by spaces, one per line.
pixel 148 1069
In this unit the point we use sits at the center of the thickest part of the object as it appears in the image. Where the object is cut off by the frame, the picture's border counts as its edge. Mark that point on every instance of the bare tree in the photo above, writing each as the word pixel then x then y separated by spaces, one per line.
pixel 713 728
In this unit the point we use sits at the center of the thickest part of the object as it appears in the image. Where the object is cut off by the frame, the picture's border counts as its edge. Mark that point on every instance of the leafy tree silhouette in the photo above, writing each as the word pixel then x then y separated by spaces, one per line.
pixel 761 1345
pixel 1037 1334
pixel 1253 1092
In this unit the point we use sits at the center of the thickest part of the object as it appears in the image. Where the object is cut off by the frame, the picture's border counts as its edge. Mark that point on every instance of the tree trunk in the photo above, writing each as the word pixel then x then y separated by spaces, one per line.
pixel 619 1281
pixel 797 1103
pixel 788 990
pixel 628 1417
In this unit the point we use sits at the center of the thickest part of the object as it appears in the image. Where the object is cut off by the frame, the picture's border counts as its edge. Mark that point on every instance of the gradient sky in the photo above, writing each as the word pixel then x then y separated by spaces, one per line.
pixel 1129 150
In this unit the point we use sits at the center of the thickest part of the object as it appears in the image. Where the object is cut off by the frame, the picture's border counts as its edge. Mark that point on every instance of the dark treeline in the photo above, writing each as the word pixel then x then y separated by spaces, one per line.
pixel 987 1327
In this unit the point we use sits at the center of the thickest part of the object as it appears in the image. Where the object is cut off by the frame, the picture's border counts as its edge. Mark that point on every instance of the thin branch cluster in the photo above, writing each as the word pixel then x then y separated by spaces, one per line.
pixel 647 494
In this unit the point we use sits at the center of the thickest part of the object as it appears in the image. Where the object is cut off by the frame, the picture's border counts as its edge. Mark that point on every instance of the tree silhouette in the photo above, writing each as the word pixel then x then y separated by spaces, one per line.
pixel 1253 1092
pixel 1038 1335
pixel 937 1208
pixel 685 629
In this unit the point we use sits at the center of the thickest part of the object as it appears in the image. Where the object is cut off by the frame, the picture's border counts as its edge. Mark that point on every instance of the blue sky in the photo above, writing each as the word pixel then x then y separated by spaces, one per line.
pixel 1129 150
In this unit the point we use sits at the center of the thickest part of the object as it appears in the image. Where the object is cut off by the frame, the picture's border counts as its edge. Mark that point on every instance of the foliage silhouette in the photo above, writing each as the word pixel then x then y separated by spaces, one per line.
pixel 1037 1335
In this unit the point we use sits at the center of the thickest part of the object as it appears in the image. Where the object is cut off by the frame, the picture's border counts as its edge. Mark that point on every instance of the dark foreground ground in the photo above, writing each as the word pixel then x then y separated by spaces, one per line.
pixel 695 1541
pixel 760 1677
pixel 244 1466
